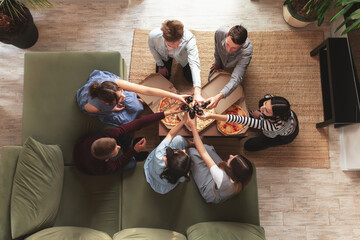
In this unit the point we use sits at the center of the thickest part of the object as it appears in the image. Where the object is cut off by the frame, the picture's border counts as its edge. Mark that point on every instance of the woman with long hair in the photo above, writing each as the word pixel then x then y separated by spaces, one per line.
pixel 114 100
pixel 168 164
pixel 279 124
pixel 217 180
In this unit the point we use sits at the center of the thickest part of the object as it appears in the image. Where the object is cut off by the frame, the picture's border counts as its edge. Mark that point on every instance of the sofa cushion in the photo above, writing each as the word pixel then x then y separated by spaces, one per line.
pixel 8 162
pixel 66 233
pixel 147 234
pixel 37 187
pixel 181 207
pixel 90 201
pixel 225 230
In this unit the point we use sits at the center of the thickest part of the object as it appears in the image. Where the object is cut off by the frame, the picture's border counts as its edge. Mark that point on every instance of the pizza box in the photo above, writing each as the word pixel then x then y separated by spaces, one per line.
pixel 156 80
pixel 218 80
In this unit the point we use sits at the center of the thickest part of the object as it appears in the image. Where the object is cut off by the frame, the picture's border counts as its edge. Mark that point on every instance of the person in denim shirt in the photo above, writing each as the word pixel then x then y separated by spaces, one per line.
pixel 170 42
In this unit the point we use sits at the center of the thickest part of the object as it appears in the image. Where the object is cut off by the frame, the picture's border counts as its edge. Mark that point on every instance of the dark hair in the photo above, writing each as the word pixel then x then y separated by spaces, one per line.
pixel 173 30
pixel 102 148
pixel 280 106
pixel 238 34
pixel 178 165
pixel 106 91
pixel 240 171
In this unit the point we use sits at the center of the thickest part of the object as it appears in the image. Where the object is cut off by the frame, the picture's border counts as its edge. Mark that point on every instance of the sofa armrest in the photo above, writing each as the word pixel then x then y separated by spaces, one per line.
pixel 8 162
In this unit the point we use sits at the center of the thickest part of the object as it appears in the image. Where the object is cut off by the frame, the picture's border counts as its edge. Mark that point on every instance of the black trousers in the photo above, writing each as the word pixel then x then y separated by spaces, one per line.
pixel 262 142
pixel 186 70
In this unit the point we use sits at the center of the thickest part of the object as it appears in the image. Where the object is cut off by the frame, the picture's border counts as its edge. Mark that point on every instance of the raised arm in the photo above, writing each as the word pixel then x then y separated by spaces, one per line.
pixel 137 88
pixel 199 144
pixel 172 133
pixel 213 116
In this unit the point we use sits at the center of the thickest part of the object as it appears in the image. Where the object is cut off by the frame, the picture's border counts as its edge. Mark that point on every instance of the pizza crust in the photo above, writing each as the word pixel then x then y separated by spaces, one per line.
pixel 230 128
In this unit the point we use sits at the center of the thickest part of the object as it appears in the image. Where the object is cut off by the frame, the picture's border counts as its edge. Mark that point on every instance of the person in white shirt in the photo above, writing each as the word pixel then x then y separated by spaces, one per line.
pixel 173 41
pixel 217 180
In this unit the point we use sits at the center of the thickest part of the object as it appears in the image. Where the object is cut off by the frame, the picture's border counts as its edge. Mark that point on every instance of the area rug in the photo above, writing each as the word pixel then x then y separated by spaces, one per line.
pixel 281 65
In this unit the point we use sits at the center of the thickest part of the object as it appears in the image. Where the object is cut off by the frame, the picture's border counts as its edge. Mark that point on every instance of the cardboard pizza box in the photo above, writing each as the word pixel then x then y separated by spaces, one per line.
pixel 156 80
pixel 218 80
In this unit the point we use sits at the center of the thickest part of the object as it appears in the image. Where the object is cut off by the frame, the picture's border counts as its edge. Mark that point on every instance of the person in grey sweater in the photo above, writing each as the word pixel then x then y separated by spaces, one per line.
pixel 233 52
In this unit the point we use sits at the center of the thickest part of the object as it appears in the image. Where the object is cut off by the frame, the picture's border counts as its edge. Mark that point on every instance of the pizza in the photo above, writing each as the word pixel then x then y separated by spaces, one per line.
pixel 172 119
pixel 200 124
pixel 230 128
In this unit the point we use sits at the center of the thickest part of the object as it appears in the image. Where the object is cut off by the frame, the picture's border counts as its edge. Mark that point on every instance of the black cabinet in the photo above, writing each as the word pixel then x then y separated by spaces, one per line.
pixel 338 83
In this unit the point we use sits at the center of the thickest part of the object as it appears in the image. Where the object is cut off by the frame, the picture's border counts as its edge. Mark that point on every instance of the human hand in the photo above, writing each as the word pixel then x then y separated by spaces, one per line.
pixel 214 100
pixel 182 97
pixel 205 116
pixel 163 71
pixel 214 67
pixel 255 114
pixel 198 99
pixel 118 107
pixel 176 108
pixel 140 145
pixel 190 122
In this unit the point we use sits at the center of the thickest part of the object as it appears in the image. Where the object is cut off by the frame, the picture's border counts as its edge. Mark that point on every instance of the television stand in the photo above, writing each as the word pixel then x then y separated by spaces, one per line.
pixel 338 84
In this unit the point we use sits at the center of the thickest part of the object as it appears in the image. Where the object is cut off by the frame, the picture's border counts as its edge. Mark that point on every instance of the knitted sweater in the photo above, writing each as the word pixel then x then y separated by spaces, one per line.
pixel 88 164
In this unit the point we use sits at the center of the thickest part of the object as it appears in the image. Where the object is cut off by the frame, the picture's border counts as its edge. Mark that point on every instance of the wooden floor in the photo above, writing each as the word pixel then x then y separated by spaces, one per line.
pixel 294 203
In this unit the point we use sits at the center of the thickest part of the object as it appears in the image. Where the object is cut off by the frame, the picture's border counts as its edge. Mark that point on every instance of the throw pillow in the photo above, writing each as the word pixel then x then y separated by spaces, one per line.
pixel 37 188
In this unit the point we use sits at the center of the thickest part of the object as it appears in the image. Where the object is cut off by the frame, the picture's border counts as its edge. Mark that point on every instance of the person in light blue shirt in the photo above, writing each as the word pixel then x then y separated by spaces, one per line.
pixel 113 100
pixel 170 42
pixel 168 164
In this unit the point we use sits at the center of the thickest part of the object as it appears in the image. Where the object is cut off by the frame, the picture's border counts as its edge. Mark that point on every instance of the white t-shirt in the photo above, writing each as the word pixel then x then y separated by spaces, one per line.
pixel 217 174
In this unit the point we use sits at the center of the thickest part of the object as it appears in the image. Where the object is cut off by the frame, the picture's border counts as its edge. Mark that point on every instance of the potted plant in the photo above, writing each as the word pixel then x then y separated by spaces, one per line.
pixel 16 23
pixel 299 13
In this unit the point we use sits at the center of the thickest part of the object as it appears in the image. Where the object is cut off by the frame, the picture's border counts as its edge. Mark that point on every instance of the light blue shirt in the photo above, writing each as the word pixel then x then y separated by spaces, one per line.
pixel 155 165
pixel 186 53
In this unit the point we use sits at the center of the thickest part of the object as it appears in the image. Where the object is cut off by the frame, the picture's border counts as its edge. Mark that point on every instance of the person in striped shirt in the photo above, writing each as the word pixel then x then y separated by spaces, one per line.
pixel 277 121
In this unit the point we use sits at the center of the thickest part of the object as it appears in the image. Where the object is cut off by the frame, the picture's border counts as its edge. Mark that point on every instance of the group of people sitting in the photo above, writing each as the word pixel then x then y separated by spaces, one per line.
pixel 114 101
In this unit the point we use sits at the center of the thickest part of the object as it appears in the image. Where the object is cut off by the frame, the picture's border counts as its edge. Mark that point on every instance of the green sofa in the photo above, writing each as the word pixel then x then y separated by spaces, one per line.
pixel 99 207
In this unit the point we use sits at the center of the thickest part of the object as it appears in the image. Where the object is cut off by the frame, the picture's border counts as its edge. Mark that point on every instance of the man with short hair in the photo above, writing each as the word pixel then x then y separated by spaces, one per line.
pixel 233 52
pixel 173 41
pixel 98 154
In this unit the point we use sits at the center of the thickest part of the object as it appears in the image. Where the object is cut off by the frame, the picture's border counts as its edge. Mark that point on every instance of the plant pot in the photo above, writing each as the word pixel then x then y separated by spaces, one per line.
pixel 295 20
pixel 25 35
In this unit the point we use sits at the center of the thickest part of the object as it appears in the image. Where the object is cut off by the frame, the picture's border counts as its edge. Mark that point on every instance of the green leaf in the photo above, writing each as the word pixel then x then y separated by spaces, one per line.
pixel 353 26
pixel 355 15
pixel 342 12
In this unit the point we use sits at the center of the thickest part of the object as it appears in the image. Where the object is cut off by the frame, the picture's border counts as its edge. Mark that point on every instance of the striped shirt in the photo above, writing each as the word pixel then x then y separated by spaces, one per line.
pixel 270 127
